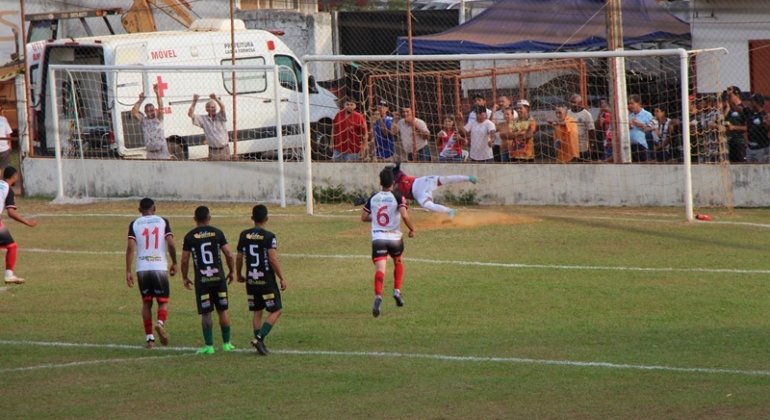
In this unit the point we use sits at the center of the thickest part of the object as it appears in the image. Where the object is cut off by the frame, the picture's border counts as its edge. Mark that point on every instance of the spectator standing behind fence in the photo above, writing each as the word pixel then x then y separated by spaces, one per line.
pixel 638 120
pixel 351 137
pixel 566 136
pixel 5 143
pixel 758 126
pixel 213 125
pixel 661 135
pixel 715 142
pixel 501 153
pixel 604 125
pixel 698 130
pixel 384 147
pixel 736 125
pixel 585 127
pixel 152 126
pixel 403 128
pixel 523 134
pixel 481 135
pixel 450 142
pixel 504 132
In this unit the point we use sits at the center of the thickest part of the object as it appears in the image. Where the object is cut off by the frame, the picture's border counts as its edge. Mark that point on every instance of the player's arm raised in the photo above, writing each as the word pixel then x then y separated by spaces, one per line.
pixel 230 263
pixel 272 256
pixel 185 269
pixel 130 249
pixel 405 218
pixel 172 253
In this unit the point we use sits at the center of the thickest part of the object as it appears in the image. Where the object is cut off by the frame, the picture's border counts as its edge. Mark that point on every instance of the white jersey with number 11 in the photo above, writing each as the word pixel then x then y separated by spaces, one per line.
pixel 150 234
pixel 386 217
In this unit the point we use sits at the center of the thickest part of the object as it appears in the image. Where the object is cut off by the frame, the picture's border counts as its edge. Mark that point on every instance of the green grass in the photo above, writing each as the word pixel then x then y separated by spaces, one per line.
pixel 545 292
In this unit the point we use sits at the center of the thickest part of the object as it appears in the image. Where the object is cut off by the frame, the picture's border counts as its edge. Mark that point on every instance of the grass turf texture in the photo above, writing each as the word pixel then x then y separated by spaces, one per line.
pixel 576 296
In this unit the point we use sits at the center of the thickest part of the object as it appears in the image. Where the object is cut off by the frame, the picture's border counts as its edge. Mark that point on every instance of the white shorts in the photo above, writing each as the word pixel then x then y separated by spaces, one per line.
pixel 422 188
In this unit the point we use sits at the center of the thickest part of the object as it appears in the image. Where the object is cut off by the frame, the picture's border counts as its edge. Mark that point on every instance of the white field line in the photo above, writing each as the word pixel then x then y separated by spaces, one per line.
pixel 513 360
pixel 554 216
pixel 466 263
pixel 86 363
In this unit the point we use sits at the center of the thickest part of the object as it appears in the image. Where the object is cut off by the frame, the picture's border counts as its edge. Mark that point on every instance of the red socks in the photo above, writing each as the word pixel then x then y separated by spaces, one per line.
pixel 10 257
pixel 162 315
pixel 379 278
pixel 148 326
pixel 398 275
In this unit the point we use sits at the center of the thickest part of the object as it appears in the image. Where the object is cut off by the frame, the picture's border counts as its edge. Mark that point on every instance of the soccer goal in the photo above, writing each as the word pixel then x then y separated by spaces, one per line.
pixel 91 120
pixel 582 148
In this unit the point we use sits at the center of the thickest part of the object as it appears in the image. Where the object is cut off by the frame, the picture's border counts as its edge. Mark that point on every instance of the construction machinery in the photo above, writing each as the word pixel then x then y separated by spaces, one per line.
pixel 140 17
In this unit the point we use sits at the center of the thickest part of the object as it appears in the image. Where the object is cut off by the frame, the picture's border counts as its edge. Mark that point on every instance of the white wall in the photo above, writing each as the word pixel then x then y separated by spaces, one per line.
pixel 724 23
pixel 571 185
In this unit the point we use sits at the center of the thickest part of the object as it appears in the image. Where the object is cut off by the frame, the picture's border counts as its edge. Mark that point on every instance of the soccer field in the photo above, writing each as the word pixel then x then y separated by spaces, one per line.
pixel 510 312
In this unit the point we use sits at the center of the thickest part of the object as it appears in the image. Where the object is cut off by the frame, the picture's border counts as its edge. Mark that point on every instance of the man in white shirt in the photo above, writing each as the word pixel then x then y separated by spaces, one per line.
pixel 412 140
pixel 481 134
pixel 585 125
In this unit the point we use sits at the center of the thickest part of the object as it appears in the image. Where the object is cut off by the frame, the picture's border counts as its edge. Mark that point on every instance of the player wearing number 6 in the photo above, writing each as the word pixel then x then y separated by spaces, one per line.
pixel 150 238
pixel 385 210
pixel 259 249
pixel 204 243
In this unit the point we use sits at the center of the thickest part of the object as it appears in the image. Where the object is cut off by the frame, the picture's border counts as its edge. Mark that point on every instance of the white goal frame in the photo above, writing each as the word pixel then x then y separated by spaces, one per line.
pixel 623 126
pixel 268 68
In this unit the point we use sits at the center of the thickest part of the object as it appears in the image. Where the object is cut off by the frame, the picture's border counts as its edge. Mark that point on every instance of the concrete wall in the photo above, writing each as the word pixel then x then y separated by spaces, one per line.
pixel 571 185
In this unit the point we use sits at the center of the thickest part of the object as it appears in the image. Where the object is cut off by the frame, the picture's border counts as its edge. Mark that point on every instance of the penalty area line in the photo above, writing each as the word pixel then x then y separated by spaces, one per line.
pixel 439 357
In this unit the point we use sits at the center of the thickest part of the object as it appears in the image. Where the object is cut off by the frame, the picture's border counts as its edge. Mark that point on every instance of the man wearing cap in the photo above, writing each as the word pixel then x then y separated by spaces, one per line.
pixel 479 100
pixel 757 126
pixel 350 134
pixel 522 136
pixel 736 125
pixel 384 146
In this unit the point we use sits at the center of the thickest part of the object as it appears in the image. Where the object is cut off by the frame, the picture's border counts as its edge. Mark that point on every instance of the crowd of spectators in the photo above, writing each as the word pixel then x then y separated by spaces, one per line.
pixel 723 128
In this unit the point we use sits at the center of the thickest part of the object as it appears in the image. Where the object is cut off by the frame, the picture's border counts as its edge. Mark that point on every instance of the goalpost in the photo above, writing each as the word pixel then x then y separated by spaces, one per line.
pixel 90 127
pixel 435 86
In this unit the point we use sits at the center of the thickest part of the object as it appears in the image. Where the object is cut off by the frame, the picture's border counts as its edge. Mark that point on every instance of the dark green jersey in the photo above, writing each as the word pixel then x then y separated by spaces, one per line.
pixel 205 244
pixel 254 244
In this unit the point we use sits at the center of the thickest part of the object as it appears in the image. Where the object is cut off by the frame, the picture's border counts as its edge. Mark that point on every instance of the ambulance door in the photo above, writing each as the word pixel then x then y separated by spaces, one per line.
pixel 128 86
pixel 290 92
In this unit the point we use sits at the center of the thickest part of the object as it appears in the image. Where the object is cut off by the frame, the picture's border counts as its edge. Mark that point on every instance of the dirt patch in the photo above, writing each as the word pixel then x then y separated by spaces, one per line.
pixel 424 220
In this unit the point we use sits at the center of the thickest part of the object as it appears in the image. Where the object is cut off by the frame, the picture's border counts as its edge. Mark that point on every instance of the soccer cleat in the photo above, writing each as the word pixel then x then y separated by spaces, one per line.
pixel 150 344
pixel 390 166
pixel 14 280
pixel 260 346
pixel 206 350
pixel 359 201
pixel 452 214
pixel 228 347
pixel 472 179
pixel 398 298
pixel 376 307
pixel 162 334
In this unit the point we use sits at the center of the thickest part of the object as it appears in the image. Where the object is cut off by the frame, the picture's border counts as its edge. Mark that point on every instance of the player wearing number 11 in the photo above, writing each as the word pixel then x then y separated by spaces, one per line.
pixel 385 210
pixel 151 239
pixel 204 243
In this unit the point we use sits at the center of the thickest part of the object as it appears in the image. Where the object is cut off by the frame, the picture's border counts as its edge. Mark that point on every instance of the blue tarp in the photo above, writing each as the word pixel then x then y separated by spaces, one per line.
pixel 511 26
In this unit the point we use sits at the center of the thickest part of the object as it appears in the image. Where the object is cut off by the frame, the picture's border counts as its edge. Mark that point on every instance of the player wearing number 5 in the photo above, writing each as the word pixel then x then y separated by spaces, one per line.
pixel 385 210
pixel 258 247
pixel 150 238
pixel 204 243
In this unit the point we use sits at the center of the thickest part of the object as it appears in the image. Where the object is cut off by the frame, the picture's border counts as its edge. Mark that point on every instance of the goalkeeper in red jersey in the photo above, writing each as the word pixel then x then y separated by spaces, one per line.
pixel 421 188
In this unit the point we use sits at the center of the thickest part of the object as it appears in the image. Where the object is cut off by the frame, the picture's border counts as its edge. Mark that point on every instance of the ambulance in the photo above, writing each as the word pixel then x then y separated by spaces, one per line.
pixel 94 108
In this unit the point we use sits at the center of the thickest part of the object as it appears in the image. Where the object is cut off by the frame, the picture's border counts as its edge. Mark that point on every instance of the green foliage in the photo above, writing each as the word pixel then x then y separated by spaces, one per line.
pixel 462 198
pixel 333 194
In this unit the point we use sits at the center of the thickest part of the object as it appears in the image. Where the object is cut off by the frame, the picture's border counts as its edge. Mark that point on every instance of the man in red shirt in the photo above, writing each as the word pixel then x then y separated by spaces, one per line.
pixel 350 134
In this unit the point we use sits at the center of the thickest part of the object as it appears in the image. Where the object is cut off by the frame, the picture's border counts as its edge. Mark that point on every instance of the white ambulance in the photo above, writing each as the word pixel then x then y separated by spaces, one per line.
pixel 94 109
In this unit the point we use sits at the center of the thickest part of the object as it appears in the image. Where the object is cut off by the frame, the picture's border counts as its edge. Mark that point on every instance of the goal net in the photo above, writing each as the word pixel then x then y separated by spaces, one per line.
pixel 107 123
pixel 569 132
